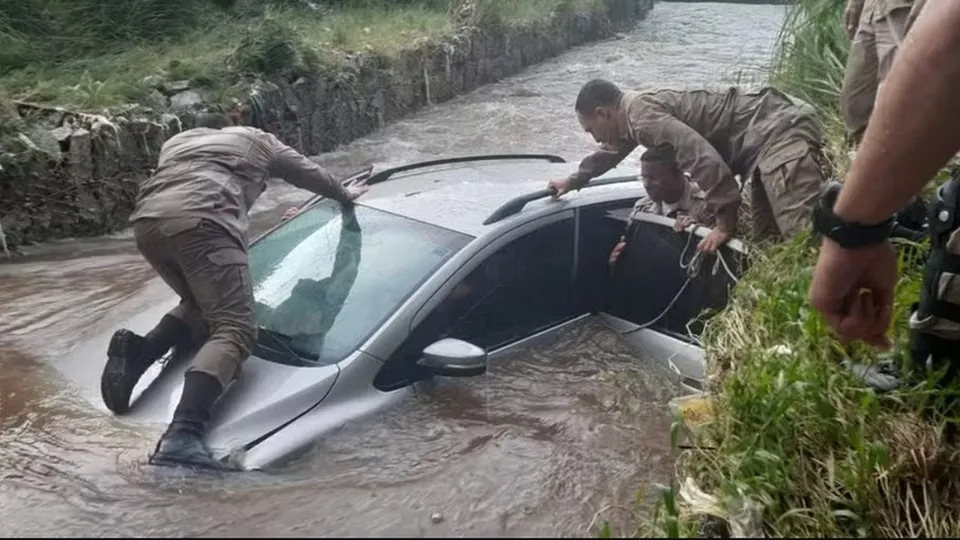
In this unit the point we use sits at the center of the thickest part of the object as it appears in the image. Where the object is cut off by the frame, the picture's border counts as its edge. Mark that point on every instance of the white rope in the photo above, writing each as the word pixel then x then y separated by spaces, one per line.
pixel 692 269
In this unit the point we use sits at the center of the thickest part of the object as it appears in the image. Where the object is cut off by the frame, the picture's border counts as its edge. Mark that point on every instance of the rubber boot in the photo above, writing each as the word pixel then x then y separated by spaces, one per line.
pixel 182 444
pixel 129 356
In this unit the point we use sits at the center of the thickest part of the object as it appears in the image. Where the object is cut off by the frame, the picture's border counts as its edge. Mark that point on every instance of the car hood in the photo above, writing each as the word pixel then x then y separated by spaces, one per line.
pixel 265 396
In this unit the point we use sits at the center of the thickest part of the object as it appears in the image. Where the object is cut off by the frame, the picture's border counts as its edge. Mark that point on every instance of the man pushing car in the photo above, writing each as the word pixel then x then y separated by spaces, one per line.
pixel 190 223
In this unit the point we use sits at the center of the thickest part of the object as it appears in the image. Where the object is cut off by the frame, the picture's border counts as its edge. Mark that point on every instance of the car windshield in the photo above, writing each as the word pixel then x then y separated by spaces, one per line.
pixel 325 280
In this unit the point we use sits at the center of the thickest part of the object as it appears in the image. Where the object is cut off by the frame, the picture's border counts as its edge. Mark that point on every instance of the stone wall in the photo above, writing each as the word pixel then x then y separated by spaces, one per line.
pixel 77 174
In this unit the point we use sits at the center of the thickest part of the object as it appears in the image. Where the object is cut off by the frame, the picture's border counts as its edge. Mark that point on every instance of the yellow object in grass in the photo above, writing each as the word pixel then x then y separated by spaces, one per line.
pixel 693 409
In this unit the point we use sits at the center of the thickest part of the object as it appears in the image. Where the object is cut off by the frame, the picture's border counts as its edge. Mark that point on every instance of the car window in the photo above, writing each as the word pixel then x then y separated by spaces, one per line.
pixel 523 288
pixel 601 226
pixel 331 275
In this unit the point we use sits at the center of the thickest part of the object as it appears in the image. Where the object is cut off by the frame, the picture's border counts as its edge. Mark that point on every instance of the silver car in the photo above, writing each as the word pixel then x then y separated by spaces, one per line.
pixel 439 268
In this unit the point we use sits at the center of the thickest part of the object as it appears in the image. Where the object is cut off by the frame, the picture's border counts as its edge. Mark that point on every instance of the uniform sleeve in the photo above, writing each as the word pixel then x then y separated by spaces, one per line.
pixel 599 162
pixel 696 156
pixel 299 170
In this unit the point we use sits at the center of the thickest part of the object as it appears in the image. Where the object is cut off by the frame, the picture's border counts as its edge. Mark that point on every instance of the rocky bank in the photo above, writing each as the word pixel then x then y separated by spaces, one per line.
pixel 70 174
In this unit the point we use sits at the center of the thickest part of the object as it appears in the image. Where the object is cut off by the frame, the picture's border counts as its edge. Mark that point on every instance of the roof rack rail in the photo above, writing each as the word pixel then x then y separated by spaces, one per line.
pixel 387 173
pixel 516 204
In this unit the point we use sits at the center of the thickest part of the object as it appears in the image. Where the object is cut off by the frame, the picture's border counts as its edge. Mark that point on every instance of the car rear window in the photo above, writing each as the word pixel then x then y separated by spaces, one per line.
pixel 331 276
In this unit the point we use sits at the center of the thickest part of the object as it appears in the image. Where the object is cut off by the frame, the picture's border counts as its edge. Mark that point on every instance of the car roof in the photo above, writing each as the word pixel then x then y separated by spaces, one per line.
pixel 462 196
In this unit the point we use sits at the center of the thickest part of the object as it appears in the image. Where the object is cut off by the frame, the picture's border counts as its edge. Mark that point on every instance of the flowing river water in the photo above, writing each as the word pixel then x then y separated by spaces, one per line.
pixel 549 443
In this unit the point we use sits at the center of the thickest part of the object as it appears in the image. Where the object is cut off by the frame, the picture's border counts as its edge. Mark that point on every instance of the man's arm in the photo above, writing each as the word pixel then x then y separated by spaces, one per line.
pixel 599 162
pixel 915 127
pixel 698 157
pixel 299 170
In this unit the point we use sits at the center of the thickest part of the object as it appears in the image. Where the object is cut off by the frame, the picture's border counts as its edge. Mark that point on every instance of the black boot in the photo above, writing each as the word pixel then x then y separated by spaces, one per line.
pixel 129 356
pixel 182 444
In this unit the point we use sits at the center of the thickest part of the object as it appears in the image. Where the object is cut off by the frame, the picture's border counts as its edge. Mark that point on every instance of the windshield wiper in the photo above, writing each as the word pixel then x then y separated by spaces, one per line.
pixel 283 340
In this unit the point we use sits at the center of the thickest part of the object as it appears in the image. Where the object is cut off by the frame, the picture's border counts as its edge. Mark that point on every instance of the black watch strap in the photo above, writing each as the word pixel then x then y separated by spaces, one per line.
pixel 847 234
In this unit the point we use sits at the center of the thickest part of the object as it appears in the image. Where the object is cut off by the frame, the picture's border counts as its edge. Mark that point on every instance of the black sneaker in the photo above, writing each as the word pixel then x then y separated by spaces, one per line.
pixel 128 359
pixel 184 448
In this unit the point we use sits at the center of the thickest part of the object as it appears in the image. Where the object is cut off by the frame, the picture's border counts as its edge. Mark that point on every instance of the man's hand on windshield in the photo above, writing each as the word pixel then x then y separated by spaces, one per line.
pixel 713 241
pixel 354 192
pixel 292 211
pixel 559 187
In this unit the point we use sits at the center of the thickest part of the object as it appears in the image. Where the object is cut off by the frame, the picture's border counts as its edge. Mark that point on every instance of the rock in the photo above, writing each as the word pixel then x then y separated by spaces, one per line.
pixel 176 87
pixel 186 100
pixel 79 156
pixel 153 81
pixel 61 134
pixel 172 122
pixel 38 138
pixel 156 100
pixel 436 517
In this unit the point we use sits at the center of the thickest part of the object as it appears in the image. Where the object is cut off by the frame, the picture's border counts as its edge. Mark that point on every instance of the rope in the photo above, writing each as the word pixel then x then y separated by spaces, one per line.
pixel 692 269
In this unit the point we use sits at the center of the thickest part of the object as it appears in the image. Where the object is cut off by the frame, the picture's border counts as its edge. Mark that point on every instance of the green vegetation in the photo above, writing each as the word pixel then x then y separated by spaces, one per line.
pixel 793 433
pixel 91 54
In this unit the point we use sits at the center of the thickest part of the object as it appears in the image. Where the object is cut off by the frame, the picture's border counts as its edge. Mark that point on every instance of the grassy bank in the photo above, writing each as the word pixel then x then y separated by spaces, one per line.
pixel 89 55
pixel 795 445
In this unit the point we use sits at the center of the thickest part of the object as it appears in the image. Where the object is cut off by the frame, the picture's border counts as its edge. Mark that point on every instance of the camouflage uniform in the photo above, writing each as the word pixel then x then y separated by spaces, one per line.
pixel 693 204
pixel 770 139
pixel 880 32
pixel 191 223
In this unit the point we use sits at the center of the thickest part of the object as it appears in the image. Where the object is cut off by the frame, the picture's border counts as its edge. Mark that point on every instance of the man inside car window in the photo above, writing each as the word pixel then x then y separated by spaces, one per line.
pixel 772 140
pixel 671 193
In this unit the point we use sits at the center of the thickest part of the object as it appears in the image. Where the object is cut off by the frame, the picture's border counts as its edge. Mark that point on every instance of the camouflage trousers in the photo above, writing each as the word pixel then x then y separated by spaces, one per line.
pixel 208 268
pixel 780 195
pixel 874 47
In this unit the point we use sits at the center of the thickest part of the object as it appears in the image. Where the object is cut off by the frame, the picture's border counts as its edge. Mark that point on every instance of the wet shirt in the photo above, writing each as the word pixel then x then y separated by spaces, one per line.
pixel 715 135
pixel 693 203
pixel 219 174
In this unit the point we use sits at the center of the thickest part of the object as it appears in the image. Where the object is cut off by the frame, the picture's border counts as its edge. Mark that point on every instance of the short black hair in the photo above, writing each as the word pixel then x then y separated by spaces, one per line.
pixel 663 153
pixel 597 93
pixel 212 120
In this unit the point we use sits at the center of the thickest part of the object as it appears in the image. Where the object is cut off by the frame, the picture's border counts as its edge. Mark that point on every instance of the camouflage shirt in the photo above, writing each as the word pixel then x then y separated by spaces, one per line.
pixel 716 135
pixel 219 174
pixel 693 204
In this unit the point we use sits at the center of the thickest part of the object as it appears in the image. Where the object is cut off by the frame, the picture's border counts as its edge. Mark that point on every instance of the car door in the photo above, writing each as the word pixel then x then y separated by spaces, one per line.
pixel 521 284
pixel 599 228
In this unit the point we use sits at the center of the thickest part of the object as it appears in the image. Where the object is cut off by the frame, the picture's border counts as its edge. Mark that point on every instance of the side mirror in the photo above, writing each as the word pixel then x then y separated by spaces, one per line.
pixel 454 358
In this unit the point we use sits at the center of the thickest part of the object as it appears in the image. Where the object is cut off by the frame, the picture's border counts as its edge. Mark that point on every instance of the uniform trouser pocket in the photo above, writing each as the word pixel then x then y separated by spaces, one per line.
pixel 217 271
pixel 791 180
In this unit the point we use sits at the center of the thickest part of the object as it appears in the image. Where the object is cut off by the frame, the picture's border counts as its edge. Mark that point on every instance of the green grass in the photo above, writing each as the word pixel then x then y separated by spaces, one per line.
pixel 794 433
pixel 85 70
pixel 215 54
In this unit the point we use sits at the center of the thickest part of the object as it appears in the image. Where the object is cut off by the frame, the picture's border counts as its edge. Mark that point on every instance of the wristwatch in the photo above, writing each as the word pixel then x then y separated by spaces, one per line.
pixel 847 234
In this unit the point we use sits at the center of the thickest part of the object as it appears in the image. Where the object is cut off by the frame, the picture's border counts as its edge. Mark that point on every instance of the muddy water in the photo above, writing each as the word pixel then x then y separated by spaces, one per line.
pixel 552 440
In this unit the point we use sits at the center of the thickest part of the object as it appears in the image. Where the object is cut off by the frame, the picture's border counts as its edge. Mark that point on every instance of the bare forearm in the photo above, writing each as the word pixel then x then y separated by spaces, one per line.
pixel 915 127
